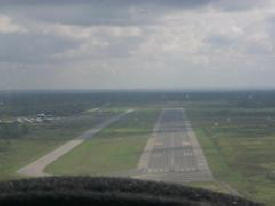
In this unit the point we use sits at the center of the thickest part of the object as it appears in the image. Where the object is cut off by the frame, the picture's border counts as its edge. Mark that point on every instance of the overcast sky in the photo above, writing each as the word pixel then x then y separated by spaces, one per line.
pixel 137 44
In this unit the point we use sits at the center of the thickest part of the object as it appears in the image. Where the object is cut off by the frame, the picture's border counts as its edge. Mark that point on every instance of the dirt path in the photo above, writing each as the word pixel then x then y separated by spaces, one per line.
pixel 36 168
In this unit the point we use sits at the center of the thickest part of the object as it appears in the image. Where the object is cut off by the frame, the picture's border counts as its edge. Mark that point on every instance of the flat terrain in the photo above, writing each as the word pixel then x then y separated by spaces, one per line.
pixel 173 153
pixel 20 152
pixel 235 131
pixel 115 150
pixel 43 138
pixel 36 169
pixel 238 140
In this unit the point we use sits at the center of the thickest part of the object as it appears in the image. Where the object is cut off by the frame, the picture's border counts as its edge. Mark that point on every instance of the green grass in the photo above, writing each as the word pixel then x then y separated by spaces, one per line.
pixel 17 153
pixel 116 148
pixel 42 138
pixel 239 145
pixel 237 135
pixel 100 157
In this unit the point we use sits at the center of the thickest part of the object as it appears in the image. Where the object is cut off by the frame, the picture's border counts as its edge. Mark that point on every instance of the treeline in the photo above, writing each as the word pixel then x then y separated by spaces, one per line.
pixel 61 103
pixel 13 130
pixel 28 103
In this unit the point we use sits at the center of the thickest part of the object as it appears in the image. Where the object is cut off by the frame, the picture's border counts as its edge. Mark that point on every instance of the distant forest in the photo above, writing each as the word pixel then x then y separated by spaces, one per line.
pixel 73 102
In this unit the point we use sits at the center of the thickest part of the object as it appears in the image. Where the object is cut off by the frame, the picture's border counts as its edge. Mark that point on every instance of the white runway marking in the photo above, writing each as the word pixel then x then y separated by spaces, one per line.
pixel 173 148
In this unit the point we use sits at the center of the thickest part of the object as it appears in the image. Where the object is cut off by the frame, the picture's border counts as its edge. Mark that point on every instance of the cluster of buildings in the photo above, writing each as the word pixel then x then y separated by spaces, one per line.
pixel 39 118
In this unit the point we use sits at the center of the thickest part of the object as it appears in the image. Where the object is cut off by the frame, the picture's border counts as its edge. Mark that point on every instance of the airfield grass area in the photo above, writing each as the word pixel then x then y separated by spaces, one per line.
pixel 239 143
pixel 116 148
pixel 19 152
pixel 235 129
pixel 41 139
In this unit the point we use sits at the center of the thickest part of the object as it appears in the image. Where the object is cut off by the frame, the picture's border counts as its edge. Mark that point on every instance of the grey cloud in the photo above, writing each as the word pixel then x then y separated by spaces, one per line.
pixel 240 5
pixel 107 2
pixel 26 57
pixel 117 48
pixel 121 48
pixel 31 48
pixel 271 26
pixel 113 12
pixel 94 12
pixel 219 41
pixel 259 50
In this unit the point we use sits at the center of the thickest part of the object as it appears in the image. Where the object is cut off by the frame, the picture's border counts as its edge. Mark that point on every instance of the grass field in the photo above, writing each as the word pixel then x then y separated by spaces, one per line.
pixel 19 152
pixel 236 131
pixel 42 138
pixel 239 144
pixel 116 148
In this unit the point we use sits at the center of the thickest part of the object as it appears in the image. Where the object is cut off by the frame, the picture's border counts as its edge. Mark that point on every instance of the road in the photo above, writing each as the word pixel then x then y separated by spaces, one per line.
pixel 36 168
pixel 173 153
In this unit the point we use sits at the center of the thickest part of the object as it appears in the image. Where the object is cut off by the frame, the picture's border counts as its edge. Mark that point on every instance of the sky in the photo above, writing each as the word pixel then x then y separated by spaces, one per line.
pixel 137 44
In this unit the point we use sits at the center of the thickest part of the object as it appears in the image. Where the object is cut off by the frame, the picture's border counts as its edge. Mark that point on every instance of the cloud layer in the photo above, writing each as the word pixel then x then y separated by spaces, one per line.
pixel 126 44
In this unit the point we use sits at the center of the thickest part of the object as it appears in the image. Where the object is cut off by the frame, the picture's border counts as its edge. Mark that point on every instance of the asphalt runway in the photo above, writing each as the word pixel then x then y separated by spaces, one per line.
pixel 173 153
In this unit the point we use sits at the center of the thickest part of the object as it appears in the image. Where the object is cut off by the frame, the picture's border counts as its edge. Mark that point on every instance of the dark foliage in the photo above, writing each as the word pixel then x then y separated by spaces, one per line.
pixel 73 102
pixel 108 191
pixel 13 130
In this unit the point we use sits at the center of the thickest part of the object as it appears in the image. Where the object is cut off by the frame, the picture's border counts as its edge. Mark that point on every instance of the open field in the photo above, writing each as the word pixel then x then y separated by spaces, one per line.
pixel 235 130
pixel 19 152
pixel 36 168
pixel 114 149
pixel 43 138
pixel 239 142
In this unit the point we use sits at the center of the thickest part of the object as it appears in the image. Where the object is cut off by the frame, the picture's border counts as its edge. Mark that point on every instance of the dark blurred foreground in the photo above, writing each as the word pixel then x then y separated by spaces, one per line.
pixel 80 191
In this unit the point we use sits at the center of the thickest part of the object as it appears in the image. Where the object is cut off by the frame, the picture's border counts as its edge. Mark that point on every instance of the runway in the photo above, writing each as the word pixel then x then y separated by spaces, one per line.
pixel 173 153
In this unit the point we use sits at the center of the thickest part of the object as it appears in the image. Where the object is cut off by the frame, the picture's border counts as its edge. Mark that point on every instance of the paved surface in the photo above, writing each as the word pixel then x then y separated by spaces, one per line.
pixel 36 169
pixel 173 153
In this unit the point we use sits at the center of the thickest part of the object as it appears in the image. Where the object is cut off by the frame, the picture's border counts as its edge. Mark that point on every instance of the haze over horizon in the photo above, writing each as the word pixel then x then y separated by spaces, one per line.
pixel 145 44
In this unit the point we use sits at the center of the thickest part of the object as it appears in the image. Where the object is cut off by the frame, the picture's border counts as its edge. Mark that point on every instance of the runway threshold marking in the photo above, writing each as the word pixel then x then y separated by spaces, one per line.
pixel 194 159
